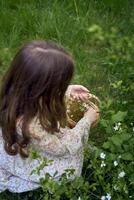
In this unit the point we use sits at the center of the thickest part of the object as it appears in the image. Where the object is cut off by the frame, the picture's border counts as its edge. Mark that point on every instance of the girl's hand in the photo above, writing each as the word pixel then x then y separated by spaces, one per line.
pixel 78 92
pixel 92 114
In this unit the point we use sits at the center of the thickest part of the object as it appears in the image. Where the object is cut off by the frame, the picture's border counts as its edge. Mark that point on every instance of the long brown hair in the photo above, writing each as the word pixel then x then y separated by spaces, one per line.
pixel 35 84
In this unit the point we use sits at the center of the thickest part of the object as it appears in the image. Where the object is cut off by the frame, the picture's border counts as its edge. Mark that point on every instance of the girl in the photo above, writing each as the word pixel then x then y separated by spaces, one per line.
pixel 33 114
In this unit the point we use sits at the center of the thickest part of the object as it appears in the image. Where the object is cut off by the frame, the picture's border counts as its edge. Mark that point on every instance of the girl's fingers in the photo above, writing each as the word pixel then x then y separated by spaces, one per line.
pixel 79 88
pixel 84 96
pixel 79 92
pixel 80 96
pixel 85 89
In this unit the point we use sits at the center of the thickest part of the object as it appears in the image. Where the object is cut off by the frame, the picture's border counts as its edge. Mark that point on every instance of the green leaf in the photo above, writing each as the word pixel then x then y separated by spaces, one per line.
pixel 119 116
pixel 116 140
pixel 131 178
pixel 106 145
pixel 125 136
pixel 119 139
pixel 103 122
pixel 127 156
pixel 112 156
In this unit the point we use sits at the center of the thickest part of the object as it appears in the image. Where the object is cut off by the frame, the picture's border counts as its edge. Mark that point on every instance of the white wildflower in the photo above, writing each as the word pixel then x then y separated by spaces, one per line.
pixel 102 155
pixel 103 164
pixel 68 111
pixel 79 198
pixel 119 156
pixel 103 198
pixel 121 174
pixel 116 128
pixel 118 124
pixel 108 196
pixel 115 163
pixel 85 105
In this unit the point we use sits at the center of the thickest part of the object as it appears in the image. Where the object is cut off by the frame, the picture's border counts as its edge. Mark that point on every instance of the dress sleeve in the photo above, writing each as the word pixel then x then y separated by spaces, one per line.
pixel 67 142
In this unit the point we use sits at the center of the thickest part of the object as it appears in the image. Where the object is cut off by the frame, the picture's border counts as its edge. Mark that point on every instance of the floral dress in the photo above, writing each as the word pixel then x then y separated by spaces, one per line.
pixel 64 148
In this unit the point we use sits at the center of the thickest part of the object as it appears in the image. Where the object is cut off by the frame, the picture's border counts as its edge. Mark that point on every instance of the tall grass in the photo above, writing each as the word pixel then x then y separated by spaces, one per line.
pixel 67 23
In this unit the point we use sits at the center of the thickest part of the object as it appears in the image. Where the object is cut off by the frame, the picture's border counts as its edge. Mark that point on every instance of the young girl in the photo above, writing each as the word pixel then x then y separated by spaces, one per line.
pixel 33 114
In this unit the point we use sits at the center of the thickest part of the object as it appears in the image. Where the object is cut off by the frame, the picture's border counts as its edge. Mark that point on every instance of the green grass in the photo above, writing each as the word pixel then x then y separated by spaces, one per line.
pixel 99 62
pixel 67 23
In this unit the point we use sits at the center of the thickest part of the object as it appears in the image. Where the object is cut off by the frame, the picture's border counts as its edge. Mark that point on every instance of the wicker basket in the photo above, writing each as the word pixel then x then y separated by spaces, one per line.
pixel 77 108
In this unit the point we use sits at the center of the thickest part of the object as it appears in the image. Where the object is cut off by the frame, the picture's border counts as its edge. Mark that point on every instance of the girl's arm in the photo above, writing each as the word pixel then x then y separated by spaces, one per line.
pixel 77 137
pixel 68 142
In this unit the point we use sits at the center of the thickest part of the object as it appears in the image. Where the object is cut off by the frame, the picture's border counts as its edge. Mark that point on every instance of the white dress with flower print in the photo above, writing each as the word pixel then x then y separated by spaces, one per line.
pixel 64 148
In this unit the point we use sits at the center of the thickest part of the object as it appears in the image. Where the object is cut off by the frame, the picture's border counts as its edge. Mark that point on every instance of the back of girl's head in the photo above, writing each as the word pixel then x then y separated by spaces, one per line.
pixel 34 85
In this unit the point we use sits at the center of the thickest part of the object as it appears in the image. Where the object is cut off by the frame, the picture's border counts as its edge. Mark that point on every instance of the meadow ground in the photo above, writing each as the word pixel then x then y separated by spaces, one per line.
pixel 100 36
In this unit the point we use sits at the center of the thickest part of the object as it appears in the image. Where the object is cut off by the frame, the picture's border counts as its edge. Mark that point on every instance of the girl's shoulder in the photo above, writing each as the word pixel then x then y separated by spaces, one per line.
pixel 36 130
